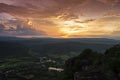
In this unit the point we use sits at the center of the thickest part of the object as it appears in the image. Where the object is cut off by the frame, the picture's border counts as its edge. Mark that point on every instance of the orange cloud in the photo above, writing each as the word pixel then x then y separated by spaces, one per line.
pixel 66 18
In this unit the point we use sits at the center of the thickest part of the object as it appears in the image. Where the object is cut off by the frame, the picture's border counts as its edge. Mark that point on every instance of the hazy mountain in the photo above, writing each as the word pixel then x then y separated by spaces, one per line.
pixel 61 46
pixel 9 38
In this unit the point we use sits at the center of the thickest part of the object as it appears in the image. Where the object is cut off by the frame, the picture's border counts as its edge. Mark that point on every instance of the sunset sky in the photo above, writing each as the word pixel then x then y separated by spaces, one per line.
pixel 60 18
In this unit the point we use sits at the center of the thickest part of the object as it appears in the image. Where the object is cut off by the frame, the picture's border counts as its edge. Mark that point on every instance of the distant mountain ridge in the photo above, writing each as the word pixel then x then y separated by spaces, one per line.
pixel 60 46
pixel 10 38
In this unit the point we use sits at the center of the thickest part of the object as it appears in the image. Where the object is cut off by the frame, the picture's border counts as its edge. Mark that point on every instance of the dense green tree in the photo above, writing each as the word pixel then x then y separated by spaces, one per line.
pixel 108 63
pixel 88 60
pixel 112 62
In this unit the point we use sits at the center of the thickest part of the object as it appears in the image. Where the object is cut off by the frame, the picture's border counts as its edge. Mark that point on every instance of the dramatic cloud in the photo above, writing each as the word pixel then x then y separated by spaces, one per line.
pixel 111 2
pixel 15 27
pixel 39 8
pixel 62 18
pixel 66 8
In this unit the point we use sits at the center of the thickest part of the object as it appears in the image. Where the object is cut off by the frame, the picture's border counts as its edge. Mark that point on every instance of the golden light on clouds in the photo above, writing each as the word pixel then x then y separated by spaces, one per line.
pixel 65 18
pixel 56 27
pixel 29 23
pixel 70 27
pixel 72 23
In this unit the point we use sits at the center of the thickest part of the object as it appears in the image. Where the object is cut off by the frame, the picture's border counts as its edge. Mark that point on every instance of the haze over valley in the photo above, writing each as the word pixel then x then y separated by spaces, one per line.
pixel 59 39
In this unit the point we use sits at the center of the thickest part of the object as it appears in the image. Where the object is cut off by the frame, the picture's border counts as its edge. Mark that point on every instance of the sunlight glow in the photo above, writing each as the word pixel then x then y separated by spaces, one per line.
pixel 29 22
pixel 69 30
pixel 70 27
pixel 72 23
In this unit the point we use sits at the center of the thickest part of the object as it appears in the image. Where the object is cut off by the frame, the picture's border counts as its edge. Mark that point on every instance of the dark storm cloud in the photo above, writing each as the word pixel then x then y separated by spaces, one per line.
pixel 28 32
pixel 1 28
pixel 22 32
pixel 17 28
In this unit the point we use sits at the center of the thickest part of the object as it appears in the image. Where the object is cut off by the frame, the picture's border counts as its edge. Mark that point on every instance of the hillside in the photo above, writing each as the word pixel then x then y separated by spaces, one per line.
pixel 61 46
pixel 88 64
